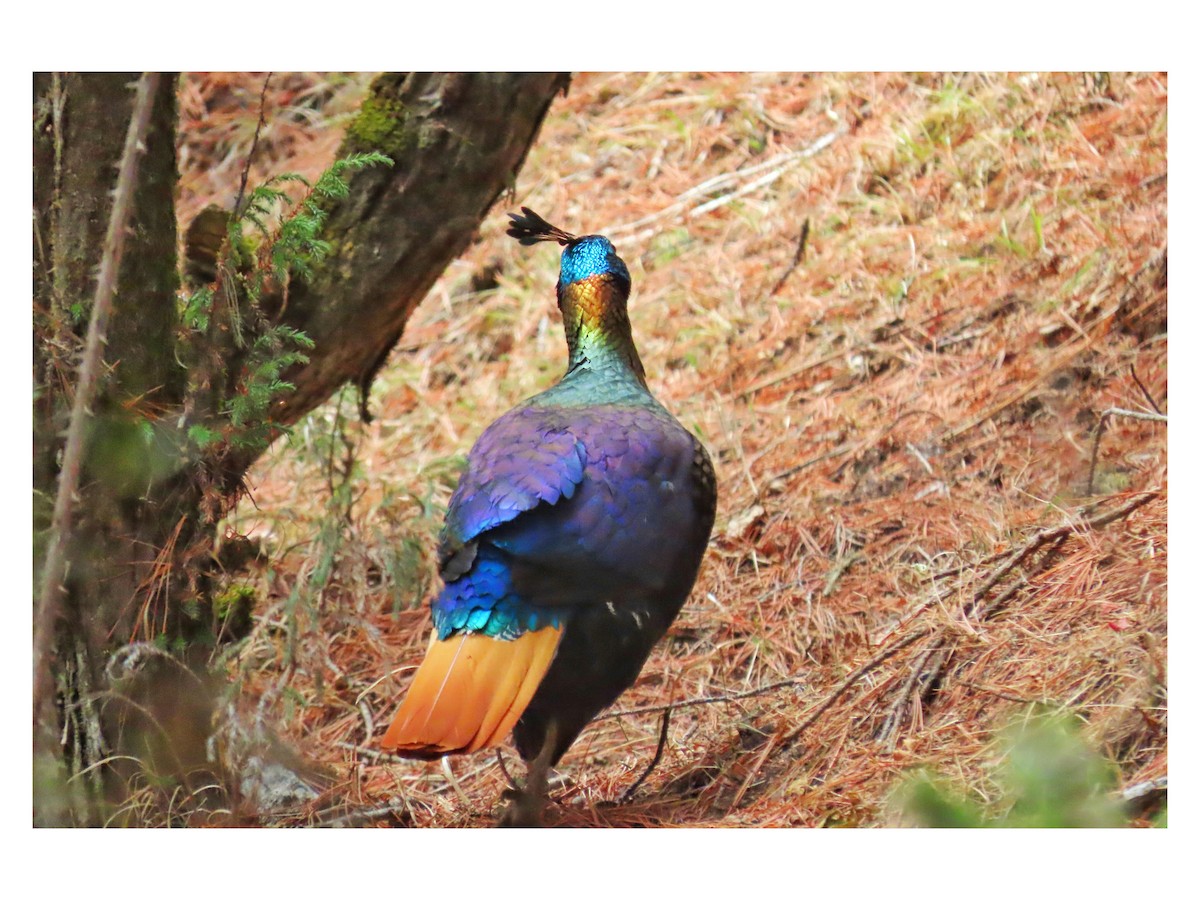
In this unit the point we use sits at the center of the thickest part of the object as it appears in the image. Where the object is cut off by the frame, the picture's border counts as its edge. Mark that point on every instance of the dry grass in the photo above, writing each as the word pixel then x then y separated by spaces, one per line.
pixel 902 424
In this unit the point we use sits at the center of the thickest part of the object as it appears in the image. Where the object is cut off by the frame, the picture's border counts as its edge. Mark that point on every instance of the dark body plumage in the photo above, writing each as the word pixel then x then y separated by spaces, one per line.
pixel 617 559
pixel 581 518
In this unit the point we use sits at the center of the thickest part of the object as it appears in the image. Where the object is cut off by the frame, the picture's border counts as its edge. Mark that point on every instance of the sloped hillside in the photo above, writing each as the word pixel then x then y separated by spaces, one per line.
pixel 898 310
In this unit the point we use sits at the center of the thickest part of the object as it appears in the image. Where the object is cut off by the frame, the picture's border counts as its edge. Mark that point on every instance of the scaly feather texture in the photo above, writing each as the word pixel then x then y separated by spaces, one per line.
pixel 570 544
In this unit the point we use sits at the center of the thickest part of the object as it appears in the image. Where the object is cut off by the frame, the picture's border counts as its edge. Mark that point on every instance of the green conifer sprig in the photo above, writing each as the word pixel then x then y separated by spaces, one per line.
pixel 256 256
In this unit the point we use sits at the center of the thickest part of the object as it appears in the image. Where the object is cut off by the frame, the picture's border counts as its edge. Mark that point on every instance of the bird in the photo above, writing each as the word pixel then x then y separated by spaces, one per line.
pixel 570 544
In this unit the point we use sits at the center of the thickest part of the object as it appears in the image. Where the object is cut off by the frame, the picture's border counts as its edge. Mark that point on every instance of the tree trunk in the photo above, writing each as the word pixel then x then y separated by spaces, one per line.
pixel 149 502
pixel 458 141
pixel 117 540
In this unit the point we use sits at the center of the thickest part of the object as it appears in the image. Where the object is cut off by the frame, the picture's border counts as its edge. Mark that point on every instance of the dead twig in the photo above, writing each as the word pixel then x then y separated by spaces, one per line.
pixel 748 781
pixel 920 457
pixel 262 116
pixel 1104 417
pixel 848 682
pixel 397 809
pixel 839 568
pixel 373 755
pixel 1142 788
pixel 832 454
pixel 1019 555
pixel 996 692
pixel 662 742
pixel 1145 392
pixel 801 246
pixel 890 729
pixel 704 701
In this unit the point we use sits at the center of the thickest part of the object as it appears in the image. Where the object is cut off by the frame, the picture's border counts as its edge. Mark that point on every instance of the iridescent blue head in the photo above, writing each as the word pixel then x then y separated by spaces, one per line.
pixel 590 255
pixel 593 290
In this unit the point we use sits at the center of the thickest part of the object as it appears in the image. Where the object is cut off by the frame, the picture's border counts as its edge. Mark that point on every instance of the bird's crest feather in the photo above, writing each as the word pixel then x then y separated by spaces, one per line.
pixel 531 228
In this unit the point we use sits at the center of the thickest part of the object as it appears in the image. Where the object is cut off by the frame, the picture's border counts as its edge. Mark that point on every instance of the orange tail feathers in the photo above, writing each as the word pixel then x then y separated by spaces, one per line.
pixel 469 692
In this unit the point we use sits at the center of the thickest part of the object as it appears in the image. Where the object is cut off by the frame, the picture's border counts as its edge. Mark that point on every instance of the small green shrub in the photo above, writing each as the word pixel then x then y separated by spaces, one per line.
pixel 1048 777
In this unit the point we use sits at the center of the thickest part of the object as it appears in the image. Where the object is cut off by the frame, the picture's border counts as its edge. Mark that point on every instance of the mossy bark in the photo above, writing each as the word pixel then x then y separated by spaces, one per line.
pixel 457 141
pixel 80 124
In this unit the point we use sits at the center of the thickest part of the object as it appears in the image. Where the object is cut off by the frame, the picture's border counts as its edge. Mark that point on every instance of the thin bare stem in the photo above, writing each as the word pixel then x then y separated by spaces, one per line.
pixel 662 742
pixel 262 116
pixel 1144 390
pixel 704 701
pixel 801 246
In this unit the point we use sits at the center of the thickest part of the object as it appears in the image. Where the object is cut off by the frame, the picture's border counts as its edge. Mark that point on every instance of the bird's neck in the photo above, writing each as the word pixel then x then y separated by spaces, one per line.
pixel 596 321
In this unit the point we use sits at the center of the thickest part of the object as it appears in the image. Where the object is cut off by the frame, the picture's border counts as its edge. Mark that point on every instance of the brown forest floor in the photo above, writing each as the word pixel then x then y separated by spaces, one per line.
pixel 902 423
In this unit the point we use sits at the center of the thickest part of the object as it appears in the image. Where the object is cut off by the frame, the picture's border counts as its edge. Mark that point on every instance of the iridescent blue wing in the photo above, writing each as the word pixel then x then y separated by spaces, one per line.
pixel 525 458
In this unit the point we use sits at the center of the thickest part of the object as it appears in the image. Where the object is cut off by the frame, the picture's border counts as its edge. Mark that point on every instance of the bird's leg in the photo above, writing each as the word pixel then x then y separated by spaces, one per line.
pixel 525 806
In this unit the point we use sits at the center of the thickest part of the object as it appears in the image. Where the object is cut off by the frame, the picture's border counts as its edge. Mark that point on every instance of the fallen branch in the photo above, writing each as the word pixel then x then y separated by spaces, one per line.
pixel 849 681
pixel 930 675
pixel 832 454
pixel 1018 555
